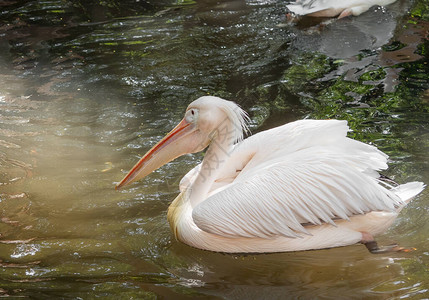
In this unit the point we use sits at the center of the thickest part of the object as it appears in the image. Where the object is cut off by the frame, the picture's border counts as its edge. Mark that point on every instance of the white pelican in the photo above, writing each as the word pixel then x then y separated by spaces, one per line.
pixel 300 186
pixel 333 8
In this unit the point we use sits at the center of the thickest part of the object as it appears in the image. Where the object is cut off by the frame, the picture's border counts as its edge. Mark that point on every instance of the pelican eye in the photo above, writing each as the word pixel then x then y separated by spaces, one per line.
pixel 191 115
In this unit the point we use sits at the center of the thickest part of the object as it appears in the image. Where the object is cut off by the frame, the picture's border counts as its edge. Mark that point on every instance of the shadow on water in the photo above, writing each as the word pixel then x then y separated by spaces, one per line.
pixel 87 87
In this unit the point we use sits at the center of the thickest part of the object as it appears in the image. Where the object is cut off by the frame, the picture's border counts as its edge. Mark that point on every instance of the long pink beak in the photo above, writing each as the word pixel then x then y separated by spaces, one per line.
pixel 177 142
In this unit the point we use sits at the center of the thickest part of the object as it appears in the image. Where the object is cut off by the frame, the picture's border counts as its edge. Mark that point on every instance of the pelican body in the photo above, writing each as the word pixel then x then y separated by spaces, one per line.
pixel 300 186
pixel 333 8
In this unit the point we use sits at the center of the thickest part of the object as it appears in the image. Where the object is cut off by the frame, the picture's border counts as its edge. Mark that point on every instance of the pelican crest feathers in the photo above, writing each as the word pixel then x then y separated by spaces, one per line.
pixel 236 115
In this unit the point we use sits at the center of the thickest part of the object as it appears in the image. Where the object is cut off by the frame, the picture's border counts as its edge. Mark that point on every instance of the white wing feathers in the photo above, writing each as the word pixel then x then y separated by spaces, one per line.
pixel 304 7
pixel 333 7
pixel 316 180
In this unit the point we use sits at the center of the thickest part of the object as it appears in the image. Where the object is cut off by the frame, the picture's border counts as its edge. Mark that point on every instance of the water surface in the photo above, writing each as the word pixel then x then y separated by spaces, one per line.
pixel 86 89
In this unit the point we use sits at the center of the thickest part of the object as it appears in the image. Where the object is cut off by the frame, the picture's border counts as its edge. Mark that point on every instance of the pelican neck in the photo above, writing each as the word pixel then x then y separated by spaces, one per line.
pixel 219 150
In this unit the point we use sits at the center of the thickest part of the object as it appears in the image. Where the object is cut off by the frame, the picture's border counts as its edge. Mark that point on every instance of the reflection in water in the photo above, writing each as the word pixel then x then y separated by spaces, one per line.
pixel 342 39
pixel 85 90
pixel 325 273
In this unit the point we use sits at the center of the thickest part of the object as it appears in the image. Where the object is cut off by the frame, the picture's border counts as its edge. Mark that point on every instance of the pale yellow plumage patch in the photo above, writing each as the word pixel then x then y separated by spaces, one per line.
pixel 175 211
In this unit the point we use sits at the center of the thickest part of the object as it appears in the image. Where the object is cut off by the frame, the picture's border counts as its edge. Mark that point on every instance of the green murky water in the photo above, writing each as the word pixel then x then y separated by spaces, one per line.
pixel 86 87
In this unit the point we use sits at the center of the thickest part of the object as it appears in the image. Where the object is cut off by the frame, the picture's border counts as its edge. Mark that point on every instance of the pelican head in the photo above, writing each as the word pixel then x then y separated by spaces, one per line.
pixel 205 120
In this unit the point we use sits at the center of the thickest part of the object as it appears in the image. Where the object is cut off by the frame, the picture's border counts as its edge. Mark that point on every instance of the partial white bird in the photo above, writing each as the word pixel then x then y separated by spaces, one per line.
pixel 300 186
pixel 333 8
